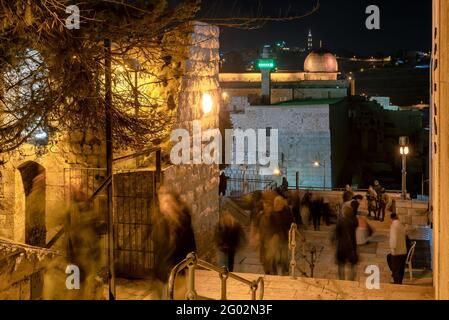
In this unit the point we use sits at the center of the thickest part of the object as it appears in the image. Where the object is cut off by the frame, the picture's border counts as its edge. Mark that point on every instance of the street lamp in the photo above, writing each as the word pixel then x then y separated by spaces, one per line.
pixel 277 172
pixel 318 164
pixel 404 151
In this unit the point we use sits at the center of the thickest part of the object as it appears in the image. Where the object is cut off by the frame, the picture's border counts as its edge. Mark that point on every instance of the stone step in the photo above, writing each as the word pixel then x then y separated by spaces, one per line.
pixel 284 288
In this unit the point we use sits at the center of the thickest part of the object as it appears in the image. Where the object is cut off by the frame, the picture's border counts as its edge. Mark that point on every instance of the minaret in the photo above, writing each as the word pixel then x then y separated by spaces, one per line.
pixel 266 78
pixel 310 41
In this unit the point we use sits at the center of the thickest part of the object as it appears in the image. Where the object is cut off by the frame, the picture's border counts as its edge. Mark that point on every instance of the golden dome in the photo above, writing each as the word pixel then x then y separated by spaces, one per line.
pixel 321 61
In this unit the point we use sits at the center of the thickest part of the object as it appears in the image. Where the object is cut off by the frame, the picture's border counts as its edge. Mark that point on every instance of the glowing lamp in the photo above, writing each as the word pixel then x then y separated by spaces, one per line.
pixel 207 103
pixel 277 172
pixel 404 150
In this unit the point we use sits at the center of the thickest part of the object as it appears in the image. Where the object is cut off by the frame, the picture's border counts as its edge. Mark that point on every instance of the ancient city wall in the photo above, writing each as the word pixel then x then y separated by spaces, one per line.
pixel 198 184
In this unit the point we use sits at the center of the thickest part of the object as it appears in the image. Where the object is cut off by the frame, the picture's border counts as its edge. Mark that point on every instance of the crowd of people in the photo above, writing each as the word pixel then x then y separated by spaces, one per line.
pixel 271 217
pixel 353 230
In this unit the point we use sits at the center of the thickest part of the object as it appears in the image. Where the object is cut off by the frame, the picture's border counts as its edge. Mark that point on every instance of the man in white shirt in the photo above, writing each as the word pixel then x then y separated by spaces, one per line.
pixel 398 249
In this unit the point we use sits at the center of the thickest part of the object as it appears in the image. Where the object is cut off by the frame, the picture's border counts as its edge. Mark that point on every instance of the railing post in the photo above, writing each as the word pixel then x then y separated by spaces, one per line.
pixel 224 277
pixel 253 290
pixel 292 245
pixel 304 254
pixel 191 293
pixel 312 261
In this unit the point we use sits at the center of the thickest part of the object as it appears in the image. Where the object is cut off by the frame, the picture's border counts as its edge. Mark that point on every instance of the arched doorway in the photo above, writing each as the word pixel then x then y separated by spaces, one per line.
pixel 34 190
pixel 33 180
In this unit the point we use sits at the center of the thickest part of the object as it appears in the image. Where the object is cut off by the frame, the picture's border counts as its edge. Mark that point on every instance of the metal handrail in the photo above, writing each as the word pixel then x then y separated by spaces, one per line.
pixel 293 232
pixel 192 263
pixel 311 188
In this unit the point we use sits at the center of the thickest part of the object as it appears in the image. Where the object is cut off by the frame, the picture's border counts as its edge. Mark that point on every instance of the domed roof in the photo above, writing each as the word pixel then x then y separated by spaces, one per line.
pixel 321 61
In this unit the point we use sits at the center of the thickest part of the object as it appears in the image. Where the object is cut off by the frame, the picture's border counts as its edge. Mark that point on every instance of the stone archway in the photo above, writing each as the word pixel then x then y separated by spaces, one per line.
pixel 34 187
pixel 33 190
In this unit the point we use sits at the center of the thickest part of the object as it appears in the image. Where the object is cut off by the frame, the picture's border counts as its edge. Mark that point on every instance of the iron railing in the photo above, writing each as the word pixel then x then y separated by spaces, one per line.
pixel 292 244
pixel 191 262
pixel 314 188
pixel 239 186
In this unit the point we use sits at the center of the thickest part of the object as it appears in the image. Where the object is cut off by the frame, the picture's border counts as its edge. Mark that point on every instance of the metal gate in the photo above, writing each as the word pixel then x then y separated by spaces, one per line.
pixel 132 205
pixel 133 202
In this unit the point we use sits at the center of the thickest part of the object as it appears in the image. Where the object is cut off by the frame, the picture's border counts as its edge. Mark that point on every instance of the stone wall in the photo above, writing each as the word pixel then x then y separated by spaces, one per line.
pixel 17 264
pixel 440 147
pixel 304 136
pixel 75 150
pixel 412 212
pixel 198 184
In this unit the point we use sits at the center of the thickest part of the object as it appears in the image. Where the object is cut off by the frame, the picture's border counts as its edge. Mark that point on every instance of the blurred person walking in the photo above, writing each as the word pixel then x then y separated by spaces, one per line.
pixel 371 197
pixel 172 236
pixel 229 237
pixel 348 194
pixel 346 244
pixel 384 199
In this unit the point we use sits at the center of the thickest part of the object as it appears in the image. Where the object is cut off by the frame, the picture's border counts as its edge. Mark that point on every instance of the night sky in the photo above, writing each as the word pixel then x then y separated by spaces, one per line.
pixel 340 24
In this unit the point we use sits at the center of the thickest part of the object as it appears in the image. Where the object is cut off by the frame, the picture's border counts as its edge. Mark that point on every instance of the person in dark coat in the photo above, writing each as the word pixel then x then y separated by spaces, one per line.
pixel 229 237
pixel 304 209
pixel 261 231
pixel 256 206
pixel 274 238
pixel 172 235
pixel 316 210
pixel 346 243
pixel 223 184
pixel 327 213
pixel 295 203
pixel 284 187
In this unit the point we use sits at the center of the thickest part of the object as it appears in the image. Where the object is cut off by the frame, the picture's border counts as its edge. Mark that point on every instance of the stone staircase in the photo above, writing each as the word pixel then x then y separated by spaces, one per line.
pixel 247 259
pixel 285 288
pixel 208 286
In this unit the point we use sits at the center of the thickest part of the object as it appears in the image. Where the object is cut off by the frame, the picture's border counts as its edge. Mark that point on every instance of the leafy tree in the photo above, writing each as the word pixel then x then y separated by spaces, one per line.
pixel 54 78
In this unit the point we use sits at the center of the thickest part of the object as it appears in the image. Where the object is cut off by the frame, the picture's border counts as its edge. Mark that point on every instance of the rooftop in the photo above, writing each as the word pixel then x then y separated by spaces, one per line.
pixel 309 102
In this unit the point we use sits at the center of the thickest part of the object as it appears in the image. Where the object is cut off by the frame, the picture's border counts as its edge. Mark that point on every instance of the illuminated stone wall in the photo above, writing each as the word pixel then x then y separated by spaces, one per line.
pixel 75 150
pixel 198 184
pixel 440 147
pixel 304 137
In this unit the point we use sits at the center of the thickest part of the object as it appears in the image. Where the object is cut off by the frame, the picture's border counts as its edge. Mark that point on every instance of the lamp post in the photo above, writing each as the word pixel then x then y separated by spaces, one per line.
pixel 318 164
pixel 404 151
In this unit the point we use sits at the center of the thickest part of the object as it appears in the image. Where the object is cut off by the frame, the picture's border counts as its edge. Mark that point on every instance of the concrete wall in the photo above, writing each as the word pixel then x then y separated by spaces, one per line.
pixel 440 147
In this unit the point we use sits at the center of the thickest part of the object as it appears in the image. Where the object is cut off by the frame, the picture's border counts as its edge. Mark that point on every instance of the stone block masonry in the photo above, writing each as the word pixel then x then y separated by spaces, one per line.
pixel 198 184
pixel 17 264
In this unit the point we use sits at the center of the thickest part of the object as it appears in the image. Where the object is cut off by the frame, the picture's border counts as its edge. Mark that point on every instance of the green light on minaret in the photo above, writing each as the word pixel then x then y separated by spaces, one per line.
pixel 266 64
